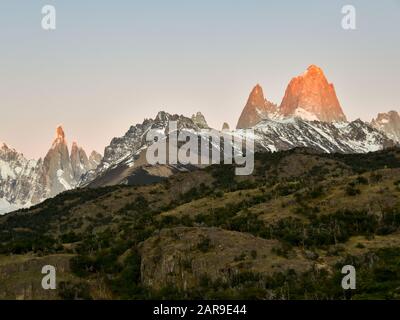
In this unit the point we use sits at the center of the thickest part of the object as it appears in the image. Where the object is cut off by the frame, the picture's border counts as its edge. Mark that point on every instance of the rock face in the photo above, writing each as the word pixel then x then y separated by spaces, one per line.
pixel 57 167
pixel 310 97
pixel 200 120
pixel 79 162
pixel 27 182
pixel 94 160
pixel 162 263
pixel 389 123
pixel 17 176
pixel 257 108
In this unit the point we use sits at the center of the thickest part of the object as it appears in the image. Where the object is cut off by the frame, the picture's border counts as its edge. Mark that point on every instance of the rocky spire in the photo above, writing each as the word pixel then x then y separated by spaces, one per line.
pixel 257 108
pixel 79 161
pixel 94 159
pixel 60 136
pixel 310 97
pixel 389 123
pixel 200 120
pixel 57 170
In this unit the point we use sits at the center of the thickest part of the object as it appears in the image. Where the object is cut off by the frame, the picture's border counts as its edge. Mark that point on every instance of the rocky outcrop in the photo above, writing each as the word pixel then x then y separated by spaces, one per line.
pixel 94 160
pixel 79 161
pixel 389 123
pixel 200 120
pixel 183 256
pixel 57 168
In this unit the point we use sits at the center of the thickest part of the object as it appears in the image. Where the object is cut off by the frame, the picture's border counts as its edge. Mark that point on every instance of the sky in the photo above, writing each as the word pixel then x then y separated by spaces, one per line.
pixel 110 64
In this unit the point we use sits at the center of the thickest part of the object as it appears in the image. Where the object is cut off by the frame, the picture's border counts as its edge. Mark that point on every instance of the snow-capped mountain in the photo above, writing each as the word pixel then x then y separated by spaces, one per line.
pixel 309 97
pixel 17 176
pixel 125 162
pixel 125 154
pixel 389 123
pixel 310 116
pixel 26 182
pixel 342 137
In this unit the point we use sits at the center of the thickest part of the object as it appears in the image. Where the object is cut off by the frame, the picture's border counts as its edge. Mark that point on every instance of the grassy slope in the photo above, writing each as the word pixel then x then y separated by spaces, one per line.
pixel 283 232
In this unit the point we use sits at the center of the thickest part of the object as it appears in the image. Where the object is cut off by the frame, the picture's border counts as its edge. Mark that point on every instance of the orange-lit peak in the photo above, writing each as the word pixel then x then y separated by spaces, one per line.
pixel 313 69
pixel 60 133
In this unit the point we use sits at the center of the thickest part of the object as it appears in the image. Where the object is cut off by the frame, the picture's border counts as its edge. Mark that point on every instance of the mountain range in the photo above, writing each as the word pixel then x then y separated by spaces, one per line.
pixel 26 182
pixel 309 115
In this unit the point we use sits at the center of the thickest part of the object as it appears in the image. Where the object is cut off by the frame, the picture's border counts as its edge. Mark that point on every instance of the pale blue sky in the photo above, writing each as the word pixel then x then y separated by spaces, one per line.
pixel 110 64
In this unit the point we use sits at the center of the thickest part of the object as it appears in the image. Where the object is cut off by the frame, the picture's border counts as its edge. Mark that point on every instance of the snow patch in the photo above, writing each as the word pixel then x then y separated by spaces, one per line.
pixel 6 171
pixel 306 115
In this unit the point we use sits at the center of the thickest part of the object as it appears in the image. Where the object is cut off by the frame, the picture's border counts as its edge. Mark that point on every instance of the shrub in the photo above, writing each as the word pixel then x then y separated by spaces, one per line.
pixel 204 245
pixel 361 180
pixel 352 191
pixel 74 291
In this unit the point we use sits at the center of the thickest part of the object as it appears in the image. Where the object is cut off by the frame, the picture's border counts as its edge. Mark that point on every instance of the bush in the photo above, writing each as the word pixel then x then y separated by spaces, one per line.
pixel 127 283
pixel 70 237
pixel 74 291
pixel 352 191
pixel 81 265
pixel 204 245
pixel 361 180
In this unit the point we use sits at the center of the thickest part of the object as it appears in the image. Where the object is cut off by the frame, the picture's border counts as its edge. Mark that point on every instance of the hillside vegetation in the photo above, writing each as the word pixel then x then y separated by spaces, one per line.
pixel 282 233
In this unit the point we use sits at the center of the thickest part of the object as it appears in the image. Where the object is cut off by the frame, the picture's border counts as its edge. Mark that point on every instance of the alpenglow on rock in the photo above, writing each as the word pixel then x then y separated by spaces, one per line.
pixel 310 97
pixel 389 123
pixel 257 108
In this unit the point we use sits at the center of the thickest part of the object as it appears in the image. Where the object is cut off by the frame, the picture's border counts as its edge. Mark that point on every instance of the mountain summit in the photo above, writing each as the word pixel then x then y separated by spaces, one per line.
pixel 59 138
pixel 310 97
pixel 257 108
